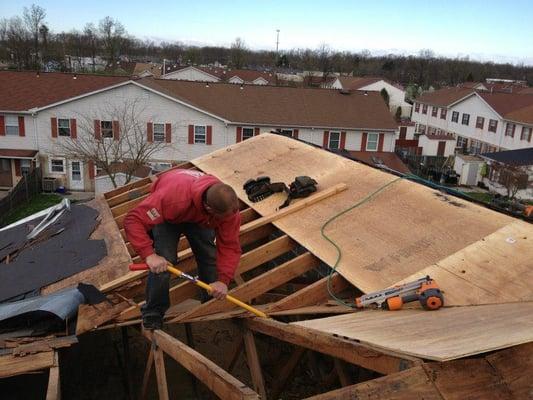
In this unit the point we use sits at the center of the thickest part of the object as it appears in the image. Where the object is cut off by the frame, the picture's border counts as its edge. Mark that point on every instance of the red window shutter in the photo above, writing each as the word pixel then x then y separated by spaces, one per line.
pixel 380 141
pixel 116 130
pixel 2 126
pixel 22 128
pixel 256 131
pixel 91 169
pixel 295 133
pixel 150 131
pixel 239 134
pixel 343 140
pixel 168 133
pixel 191 134
pixel 325 142
pixel 17 168
pixel 97 131
pixel 363 141
pixel 209 135
pixel 73 129
pixel 53 126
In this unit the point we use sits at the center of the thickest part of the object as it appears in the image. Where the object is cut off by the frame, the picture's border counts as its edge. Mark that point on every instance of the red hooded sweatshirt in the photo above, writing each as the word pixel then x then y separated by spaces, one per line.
pixel 176 197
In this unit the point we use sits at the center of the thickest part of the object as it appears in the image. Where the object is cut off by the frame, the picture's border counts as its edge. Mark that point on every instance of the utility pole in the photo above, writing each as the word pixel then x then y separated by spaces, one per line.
pixel 277 41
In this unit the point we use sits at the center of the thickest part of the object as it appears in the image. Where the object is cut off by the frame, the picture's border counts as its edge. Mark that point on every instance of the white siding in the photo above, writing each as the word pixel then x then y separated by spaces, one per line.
pixel 27 142
pixel 430 146
pixel 190 74
pixel 396 96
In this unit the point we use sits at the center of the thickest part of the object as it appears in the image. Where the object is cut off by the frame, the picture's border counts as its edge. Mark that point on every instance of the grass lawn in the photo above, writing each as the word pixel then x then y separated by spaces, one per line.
pixel 38 203
pixel 485 197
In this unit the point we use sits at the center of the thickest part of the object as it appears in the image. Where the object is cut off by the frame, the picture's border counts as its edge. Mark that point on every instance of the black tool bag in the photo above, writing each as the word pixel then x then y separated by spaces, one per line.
pixel 260 188
pixel 302 186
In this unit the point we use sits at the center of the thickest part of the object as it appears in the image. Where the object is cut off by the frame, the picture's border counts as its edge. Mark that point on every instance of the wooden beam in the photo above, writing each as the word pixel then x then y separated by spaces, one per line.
pixel 11 365
pixel 129 195
pixel 344 377
pixel 215 378
pixel 123 208
pixel 346 350
pixel 323 194
pixel 146 376
pixel 264 253
pixel 126 188
pixel 314 294
pixel 187 290
pixel 160 371
pixel 259 285
pixel 53 391
pixel 410 384
pixel 286 372
pixel 253 362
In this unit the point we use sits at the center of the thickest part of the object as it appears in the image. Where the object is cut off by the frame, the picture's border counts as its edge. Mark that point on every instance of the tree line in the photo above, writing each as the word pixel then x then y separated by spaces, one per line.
pixel 27 42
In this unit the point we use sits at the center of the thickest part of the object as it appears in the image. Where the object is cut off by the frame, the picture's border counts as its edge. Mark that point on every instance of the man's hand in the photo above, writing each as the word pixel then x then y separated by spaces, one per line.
pixel 219 290
pixel 157 264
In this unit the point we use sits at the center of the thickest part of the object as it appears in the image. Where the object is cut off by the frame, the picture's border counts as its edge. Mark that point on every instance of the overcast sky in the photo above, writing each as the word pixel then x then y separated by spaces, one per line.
pixel 493 30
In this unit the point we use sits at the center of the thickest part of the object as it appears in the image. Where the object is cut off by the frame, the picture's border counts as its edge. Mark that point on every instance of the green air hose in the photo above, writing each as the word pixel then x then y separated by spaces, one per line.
pixel 359 203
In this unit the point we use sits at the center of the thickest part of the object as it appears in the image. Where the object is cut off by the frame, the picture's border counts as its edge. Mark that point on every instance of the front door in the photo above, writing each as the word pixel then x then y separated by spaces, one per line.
pixel 441 148
pixel 6 176
pixel 76 175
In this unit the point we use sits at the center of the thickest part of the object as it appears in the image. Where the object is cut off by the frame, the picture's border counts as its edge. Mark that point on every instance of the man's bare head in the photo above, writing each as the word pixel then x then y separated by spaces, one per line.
pixel 221 200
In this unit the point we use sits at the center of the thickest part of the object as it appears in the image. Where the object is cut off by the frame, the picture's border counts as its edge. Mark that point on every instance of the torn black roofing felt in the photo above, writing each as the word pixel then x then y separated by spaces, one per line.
pixel 518 157
pixel 64 249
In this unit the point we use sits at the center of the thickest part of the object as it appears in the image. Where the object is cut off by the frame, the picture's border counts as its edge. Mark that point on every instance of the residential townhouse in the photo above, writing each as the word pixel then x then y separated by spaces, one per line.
pixel 474 121
pixel 376 84
pixel 215 74
pixel 39 111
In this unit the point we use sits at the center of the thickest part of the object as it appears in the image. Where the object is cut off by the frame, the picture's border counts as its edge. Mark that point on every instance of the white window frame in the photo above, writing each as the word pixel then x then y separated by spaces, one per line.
pixel 524 130
pixel 162 134
pixel 11 121
pixel 248 128
pixel 509 129
pixel 197 136
pixel 463 119
pixel 102 129
pixel 495 125
pixel 331 141
pixel 368 141
pixel 454 115
pixel 25 166
pixel 50 165
pixel 287 132
pixel 59 128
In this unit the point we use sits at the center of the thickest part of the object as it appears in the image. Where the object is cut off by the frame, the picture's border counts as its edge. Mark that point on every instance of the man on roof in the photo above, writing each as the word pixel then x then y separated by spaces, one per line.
pixel 198 206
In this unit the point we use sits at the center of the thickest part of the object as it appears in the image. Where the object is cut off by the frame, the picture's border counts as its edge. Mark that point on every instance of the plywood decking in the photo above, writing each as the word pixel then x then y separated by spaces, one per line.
pixel 399 232
pixel 442 335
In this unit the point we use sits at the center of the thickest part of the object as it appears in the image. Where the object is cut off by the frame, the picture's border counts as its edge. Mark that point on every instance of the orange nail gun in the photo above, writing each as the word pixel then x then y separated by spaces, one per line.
pixel 425 290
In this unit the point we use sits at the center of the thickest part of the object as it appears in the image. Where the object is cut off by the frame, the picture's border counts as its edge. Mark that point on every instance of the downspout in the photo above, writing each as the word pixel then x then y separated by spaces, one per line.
pixel 36 137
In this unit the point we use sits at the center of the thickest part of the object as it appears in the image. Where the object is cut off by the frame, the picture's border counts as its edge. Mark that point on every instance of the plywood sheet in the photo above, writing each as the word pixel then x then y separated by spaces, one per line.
pixel 495 269
pixel 447 334
pixel 405 228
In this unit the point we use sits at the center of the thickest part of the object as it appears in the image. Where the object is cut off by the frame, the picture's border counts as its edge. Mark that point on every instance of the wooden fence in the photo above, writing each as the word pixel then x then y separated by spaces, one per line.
pixel 29 186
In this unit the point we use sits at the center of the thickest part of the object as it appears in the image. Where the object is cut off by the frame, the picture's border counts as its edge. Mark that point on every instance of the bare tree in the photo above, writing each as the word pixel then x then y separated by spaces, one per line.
pixel 511 177
pixel 33 18
pixel 112 35
pixel 91 42
pixel 129 146
pixel 238 53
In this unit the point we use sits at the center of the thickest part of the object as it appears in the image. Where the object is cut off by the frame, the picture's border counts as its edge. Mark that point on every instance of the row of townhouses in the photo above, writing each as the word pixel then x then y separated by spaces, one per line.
pixel 473 121
pixel 41 113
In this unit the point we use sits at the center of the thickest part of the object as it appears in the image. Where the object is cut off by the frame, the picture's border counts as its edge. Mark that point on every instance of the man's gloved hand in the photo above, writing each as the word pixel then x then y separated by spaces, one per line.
pixel 157 264
pixel 220 289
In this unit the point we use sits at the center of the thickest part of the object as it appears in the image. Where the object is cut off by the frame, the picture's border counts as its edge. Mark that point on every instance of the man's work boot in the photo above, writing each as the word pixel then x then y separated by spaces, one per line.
pixel 152 322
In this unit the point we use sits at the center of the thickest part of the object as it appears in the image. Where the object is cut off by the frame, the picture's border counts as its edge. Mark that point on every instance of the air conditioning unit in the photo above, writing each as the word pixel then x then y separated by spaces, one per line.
pixel 50 184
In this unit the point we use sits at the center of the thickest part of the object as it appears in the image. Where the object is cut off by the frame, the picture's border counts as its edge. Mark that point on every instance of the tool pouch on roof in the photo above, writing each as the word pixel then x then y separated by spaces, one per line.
pixel 302 186
pixel 260 188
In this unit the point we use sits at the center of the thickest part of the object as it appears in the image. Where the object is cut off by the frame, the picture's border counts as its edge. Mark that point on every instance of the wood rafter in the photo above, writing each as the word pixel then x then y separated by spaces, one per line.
pixel 215 378
pixel 346 350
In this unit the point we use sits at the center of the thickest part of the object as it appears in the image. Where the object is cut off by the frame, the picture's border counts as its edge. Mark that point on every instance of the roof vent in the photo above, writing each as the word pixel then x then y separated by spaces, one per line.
pixel 345 91
pixel 242 86
pixel 207 84
pixel 75 76
pixel 366 93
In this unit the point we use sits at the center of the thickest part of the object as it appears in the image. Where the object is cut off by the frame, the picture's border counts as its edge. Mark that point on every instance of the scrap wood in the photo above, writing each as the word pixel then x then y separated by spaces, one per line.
pixel 91 316
pixel 11 365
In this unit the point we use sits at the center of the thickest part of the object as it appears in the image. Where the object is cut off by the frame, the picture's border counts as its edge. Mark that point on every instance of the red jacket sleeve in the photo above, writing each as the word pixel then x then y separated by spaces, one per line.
pixel 142 219
pixel 228 248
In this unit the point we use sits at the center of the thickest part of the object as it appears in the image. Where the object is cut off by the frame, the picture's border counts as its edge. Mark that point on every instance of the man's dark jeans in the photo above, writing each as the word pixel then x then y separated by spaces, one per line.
pixel 166 237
